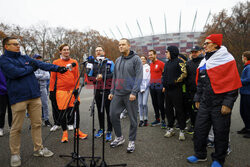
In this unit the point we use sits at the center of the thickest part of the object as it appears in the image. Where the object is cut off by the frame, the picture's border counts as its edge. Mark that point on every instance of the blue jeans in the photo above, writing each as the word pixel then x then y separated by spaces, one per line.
pixel 143 104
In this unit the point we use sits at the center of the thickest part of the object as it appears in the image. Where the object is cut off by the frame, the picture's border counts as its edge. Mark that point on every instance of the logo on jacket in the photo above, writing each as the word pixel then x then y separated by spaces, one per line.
pixel 156 66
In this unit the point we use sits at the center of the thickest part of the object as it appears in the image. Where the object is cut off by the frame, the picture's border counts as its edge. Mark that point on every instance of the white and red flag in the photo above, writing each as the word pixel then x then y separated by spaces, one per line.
pixel 222 71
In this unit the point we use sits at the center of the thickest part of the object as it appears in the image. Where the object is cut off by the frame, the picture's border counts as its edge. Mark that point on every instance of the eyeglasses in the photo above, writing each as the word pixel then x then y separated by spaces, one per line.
pixel 206 43
pixel 15 44
pixel 98 50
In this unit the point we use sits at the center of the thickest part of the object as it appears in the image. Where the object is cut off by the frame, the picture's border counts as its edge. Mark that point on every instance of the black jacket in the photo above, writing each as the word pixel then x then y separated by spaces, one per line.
pixel 206 96
pixel 191 67
pixel 174 72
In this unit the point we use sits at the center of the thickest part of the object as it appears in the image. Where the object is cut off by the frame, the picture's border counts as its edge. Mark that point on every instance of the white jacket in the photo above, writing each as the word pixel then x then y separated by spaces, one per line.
pixel 146 78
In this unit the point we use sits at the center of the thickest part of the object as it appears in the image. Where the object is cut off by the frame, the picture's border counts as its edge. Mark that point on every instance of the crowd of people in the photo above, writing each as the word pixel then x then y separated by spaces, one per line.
pixel 201 87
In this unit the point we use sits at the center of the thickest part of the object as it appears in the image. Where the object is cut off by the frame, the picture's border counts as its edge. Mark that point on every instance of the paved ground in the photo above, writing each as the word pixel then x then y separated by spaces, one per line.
pixel 152 149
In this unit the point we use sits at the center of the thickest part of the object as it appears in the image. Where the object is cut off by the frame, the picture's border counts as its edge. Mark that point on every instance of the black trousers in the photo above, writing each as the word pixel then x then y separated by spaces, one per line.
pixel 157 97
pixel 4 103
pixel 174 100
pixel 55 110
pixel 245 110
pixel 206 117
pixel 66 117
pixel 106 107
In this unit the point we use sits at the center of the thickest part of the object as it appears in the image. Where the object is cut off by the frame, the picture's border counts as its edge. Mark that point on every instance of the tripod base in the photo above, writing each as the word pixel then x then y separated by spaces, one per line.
pixel 103 164
pixel 76 160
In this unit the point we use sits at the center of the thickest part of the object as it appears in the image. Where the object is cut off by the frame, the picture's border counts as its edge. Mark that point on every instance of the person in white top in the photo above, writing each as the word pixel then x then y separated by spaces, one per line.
pixel 143 94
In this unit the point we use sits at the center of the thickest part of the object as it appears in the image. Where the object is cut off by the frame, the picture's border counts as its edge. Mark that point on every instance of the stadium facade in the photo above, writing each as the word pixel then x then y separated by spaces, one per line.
pixel 184 41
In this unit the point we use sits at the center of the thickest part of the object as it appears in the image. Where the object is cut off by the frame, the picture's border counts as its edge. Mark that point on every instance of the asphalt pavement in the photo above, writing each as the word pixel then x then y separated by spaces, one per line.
pixel 152 149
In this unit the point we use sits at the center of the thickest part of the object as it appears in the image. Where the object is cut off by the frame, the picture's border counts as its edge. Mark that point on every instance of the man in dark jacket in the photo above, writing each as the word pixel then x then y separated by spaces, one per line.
pixel 217 89
pixel 172 79
pixel 126 83
pixel 24 94
pixel 191 67
pixel 100 65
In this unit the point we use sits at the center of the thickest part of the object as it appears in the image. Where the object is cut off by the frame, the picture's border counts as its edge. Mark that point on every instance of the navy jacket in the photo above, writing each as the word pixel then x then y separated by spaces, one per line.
pixel 245 79
pixel 22 84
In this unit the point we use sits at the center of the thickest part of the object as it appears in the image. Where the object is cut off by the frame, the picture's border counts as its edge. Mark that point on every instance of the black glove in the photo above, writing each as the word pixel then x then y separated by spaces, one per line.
pixel 75 92
pixel 52 95
pixel 33 65
pixel 62 70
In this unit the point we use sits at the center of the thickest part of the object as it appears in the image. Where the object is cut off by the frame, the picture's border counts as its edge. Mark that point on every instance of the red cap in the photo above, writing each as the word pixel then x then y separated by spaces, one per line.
pixel 216 38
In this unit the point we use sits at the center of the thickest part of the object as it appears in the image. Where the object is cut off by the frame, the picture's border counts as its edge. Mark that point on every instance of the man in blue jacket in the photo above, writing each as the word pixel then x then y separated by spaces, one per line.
pixel 24 94
pixel 245 95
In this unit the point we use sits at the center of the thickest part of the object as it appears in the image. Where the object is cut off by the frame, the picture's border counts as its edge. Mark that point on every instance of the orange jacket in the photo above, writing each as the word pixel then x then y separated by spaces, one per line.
pixel 67 80
pixel 65 84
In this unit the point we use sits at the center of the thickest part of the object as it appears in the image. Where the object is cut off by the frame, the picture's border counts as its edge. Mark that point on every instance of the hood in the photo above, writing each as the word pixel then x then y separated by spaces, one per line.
pixel 131 54
pixel 174 51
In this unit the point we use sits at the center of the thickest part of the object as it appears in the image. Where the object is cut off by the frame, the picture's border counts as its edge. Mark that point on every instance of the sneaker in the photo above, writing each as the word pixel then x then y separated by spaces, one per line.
pixel 156 122
pixel 242 131
pixel 131 147
pixel 108 136
pixel 229 150
pixel 216 164
pixel 193 159
pixel 1 132
pixel 182 135
pixel 123 114
pixel 82 135
pixel 47 123
pixel 247 135
pixel 190 130
pixel 65 137
pixel 141 123
pixel 44 152
pixel 145 123
pixel 163 124
pixel 54 128
pixel 118 141
pixel 170 132
pixel 15 160
pixel 70 127
pixel 210 144
pixel 99 133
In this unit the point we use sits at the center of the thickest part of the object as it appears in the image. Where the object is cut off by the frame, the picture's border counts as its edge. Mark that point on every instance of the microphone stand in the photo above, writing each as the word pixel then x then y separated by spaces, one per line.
pixel 103 163
pixel 92 113
pixel 75 154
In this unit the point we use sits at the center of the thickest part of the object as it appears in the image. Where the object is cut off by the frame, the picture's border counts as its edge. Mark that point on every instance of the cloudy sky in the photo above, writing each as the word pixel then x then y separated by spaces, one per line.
pixel 106 15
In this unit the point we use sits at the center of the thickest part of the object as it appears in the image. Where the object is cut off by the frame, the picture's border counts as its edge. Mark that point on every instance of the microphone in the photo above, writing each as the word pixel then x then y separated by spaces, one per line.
pixel 89 69
pixel 70 66
pixel 100 58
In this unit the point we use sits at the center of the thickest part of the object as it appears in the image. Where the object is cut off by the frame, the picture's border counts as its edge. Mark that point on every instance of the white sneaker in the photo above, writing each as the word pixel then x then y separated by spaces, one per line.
pixel 70 127
pixel 182 135
pixel 131 147
pixel 170 132
pixel 15 160
pixel 1 132
pixel 123 114
pixel 44 152
pixel 118 141
pixel 54 128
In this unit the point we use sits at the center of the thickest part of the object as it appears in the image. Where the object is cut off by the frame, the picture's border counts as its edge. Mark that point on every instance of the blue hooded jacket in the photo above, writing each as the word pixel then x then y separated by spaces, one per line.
pixel 21 82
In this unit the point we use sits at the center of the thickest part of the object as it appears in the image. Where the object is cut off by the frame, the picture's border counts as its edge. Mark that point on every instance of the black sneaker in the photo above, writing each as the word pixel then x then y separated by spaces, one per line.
pixel 242 131
pixel 247 135
pixel 141 123
pixel 210 144
pixel 47 123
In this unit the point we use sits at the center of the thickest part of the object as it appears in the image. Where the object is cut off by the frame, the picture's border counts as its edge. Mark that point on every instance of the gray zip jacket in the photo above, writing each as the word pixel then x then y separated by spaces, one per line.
pixel 127 75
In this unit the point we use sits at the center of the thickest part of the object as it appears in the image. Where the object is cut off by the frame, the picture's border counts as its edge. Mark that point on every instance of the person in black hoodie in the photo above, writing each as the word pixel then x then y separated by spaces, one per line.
pixel 172 79
pixel 192 66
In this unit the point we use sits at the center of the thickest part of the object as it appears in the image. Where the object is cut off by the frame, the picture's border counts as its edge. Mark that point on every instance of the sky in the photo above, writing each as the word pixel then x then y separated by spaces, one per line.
pixel 110 15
